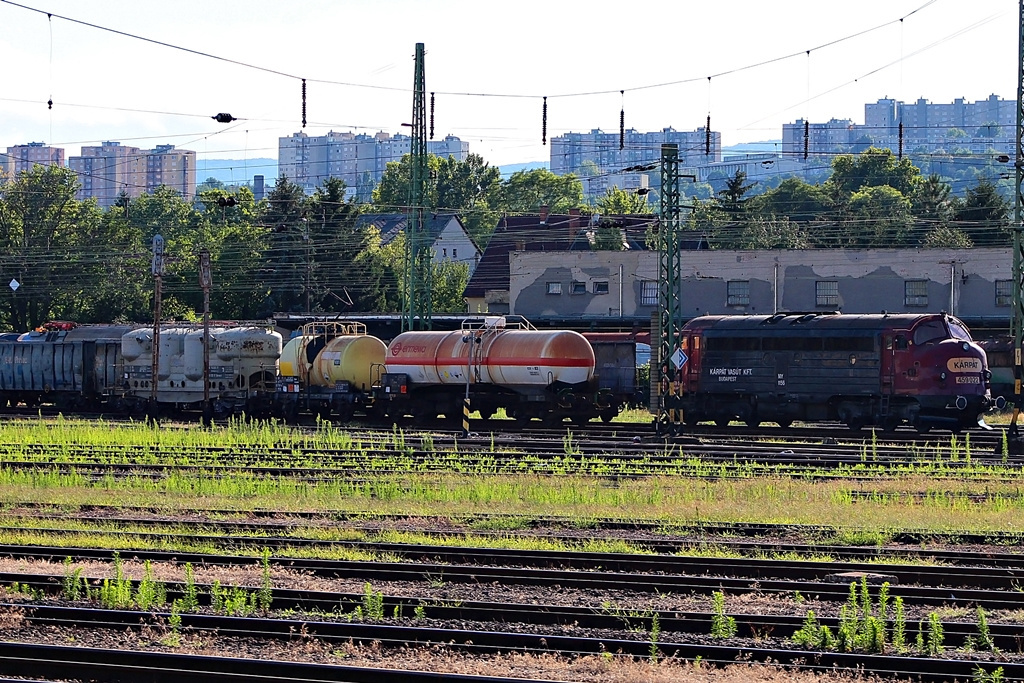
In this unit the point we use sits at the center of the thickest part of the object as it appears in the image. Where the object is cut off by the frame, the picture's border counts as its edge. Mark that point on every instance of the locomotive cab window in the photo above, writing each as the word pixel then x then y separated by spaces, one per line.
pixel 930 331
pixel 957 330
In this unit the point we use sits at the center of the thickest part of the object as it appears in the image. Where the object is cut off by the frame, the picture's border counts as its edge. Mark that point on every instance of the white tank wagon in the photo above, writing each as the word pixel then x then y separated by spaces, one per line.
pixel 243 364
pixel 330 369
pixel 547 374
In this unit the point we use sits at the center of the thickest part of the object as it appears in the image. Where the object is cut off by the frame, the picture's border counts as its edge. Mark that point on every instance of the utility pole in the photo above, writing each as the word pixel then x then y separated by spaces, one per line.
pixel 418 300
pixel 206 282
pixel 1017 314
pixel 158 273
pixel 669 316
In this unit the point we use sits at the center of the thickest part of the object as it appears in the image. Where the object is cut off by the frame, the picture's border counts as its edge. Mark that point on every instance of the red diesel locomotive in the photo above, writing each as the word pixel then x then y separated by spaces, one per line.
pixel 883 370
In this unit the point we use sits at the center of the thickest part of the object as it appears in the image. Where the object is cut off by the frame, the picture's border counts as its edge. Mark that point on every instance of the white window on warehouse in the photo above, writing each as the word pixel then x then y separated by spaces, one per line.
pixel 826 293
pixel 915 293
pixel 554 288
pixel 600 287
pixel 648 293
pixel 1004 292
pixel 738 293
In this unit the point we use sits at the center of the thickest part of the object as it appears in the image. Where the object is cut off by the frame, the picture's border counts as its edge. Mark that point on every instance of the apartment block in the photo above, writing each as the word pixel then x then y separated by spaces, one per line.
pixel 597 159
pixel 23 157
pixel 107 170
pixel 358 159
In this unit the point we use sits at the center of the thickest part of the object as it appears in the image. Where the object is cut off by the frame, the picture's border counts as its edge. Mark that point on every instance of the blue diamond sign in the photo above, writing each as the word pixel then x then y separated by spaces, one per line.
pixel 679 359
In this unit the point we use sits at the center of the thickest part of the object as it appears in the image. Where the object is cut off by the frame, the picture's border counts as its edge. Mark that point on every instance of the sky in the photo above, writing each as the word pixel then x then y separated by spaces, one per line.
pixel 489 64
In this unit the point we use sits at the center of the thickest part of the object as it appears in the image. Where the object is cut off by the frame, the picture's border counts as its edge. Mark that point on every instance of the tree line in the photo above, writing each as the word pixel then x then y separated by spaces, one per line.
pixel 67 259
pixel 870 200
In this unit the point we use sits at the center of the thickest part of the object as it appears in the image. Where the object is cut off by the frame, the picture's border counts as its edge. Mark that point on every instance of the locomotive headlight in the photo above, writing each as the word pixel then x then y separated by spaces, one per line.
pixel 942 375
pixel 988 375
pixel 966 346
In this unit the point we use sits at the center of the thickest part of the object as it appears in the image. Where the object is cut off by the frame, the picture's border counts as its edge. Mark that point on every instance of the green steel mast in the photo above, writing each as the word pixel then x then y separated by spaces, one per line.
pixel 670 314
pixel 417 309
pixel 1017 314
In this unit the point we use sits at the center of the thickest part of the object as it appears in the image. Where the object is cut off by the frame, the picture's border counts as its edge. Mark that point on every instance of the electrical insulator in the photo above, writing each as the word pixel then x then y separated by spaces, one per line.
pixel 544 124
pixel 49 103
pixel 431 116
pixel 303 102
pixel 622 123
pixel 223 117
pixel 707 136
pixel 807 137
pixel 900 154
pixel 225 201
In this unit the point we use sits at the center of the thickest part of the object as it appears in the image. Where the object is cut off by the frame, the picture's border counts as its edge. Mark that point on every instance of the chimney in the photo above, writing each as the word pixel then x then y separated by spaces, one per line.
pixel 574 223
pixel 544 213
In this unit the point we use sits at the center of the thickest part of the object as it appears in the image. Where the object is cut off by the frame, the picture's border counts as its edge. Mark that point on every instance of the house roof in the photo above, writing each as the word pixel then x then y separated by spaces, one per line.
pixel 392 224
pixel 559 232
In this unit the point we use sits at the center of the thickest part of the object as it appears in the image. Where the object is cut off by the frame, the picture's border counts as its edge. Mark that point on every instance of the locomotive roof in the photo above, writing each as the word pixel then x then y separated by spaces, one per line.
pixel 781 323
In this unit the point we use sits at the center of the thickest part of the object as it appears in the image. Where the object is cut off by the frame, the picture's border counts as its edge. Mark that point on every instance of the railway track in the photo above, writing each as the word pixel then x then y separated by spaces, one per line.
pixel 990 587
pixel 279 535
pixel 15 658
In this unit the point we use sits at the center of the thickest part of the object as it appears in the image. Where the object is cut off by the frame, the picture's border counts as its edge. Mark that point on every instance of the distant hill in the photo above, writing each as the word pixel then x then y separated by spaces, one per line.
pixel 763 147
pixel 236 171
pixel 509 169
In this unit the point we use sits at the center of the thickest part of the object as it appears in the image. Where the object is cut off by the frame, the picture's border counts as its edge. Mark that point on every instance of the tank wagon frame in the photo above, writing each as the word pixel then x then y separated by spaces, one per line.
pixel 500 363
pixel 884 370
pixel 330 370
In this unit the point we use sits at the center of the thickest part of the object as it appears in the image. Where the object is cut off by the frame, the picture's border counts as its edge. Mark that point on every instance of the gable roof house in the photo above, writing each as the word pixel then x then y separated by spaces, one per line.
pixel 488 288
pixel 449 239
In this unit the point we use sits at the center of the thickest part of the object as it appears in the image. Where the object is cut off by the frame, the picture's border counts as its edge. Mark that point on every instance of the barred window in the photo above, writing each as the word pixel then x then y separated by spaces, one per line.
pixel 554 288
pixel 1004 292
pixel 915 293
pixel 826 293
pixel 578 287
pixel 648 293
pixel 738 293
pixel 601 287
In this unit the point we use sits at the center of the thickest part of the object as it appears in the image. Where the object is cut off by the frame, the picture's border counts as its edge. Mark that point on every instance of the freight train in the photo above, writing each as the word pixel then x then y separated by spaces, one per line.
pixel 331 368
pixel 881 370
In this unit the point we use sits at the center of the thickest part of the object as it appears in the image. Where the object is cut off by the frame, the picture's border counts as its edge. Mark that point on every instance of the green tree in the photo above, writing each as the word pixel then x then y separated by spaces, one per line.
pixel 449 280
pixel 873 168
pixel 879 216
pixel 40 227
pixel 794 199
pixel 731 197
pixel 288 262
pixel 983 215
pixel 527 191
pixel 773 233
pixel 618 202
pixel 947 237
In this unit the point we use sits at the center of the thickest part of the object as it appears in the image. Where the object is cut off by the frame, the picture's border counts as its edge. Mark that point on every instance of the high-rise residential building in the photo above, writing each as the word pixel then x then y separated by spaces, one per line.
pixel 174 168
pixel 358 159
pixel 107 170
pixel 597 158
pixel 817 138
pixel 23 157
pixel 975 127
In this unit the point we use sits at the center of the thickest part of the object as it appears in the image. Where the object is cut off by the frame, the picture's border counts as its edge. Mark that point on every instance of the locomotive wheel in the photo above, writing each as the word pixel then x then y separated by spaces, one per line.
pixel 923 428
pixel 608 417
pixel 785 424
pixel 580 419
pixel 722 422
pixel 856 424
